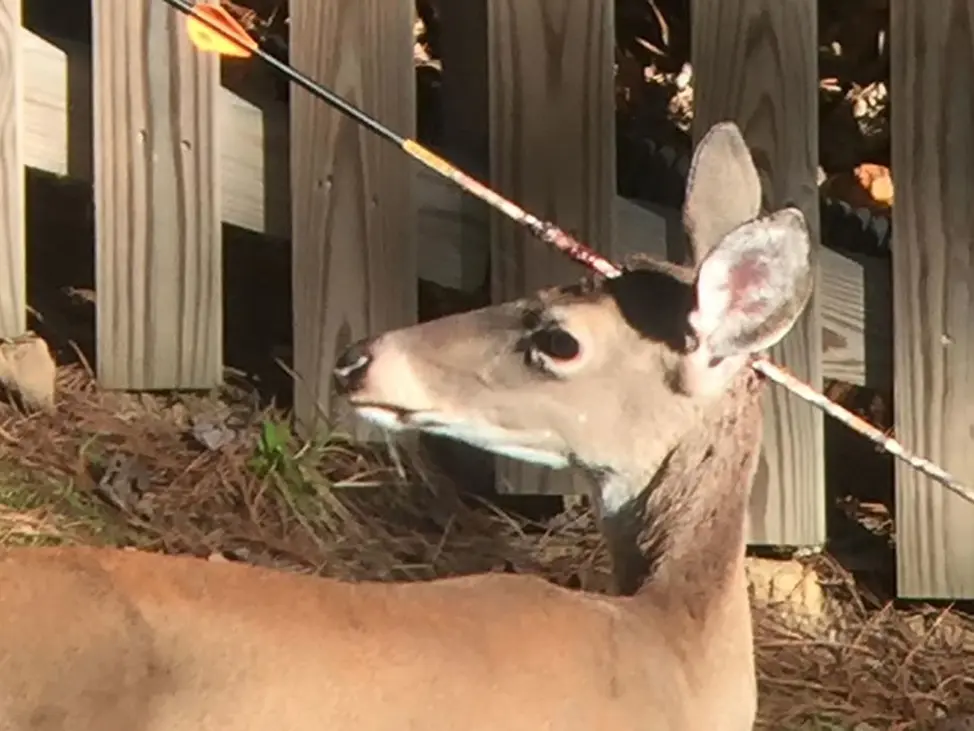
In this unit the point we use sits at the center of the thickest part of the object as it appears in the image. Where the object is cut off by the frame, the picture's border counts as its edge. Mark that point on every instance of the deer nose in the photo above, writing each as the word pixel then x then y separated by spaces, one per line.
pixel 352 366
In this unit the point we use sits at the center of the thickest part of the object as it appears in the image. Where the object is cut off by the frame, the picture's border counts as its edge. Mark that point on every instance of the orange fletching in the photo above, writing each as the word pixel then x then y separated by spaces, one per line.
pixel 209 40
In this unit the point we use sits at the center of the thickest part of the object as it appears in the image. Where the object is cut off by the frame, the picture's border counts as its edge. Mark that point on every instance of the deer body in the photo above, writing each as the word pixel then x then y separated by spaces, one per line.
pixel 127 641
pixel 641 381
pixel 104 639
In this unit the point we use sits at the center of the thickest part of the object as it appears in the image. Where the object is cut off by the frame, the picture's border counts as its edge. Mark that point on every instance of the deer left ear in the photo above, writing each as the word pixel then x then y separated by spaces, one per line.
pixel 750 289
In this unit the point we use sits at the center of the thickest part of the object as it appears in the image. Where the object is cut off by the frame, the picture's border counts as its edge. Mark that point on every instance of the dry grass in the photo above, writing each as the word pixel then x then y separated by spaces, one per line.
pixel 277 504
pixel 282 504
pixel 876 667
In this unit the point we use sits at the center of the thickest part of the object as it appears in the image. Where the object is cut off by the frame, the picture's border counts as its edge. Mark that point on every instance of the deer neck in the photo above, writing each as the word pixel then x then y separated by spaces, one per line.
pixel 682 540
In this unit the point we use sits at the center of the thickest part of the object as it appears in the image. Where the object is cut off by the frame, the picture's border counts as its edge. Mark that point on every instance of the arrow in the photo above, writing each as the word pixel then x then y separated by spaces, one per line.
pixel 212 29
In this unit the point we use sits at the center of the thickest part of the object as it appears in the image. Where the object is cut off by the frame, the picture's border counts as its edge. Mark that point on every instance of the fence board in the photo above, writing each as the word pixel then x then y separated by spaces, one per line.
pixel 13 275
pixel 933 278
pixel 353 224
pixel 552 133
pixel 755 62
pixel 157 212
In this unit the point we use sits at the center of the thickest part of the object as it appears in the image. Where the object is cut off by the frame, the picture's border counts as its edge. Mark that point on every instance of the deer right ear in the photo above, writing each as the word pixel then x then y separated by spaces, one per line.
pixel 723 188
pixel 750 291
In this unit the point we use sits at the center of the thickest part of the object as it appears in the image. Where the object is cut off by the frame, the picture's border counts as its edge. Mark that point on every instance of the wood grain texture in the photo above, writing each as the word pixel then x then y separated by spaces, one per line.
pixel 552 149
pixel 755 63
pixel 933 279
pixel 158 241
pixel 452 225
pixel 353 222
pixel 856 316
pixel 13 275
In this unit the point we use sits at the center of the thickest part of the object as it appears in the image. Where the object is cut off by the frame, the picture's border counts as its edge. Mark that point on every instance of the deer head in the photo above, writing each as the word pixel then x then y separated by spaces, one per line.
pixel 606 374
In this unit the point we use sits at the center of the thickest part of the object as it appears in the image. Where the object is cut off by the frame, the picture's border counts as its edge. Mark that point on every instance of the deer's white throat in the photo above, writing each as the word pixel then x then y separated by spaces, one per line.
pixel 616 492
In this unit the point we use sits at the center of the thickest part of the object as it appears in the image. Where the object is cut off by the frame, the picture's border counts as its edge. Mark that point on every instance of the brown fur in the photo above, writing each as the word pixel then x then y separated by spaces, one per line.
pixel 100 640
pixel 682 538
pixel 656 405
pixel 685 463
pixel 95 640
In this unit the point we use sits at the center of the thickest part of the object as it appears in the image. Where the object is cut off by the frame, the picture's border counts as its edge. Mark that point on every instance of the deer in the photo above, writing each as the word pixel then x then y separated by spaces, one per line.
pixel 641 381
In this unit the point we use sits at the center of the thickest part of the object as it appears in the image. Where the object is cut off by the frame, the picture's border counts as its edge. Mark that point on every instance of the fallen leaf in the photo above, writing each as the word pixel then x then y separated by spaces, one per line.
pixel 877 180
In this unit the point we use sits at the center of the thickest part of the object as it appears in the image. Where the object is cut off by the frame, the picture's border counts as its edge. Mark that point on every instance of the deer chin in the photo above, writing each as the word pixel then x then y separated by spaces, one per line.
pixel 385 417
pixel 525 446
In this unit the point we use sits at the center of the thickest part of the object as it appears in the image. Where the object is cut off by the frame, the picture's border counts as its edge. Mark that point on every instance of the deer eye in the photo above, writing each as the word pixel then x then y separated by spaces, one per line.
pixel 556 343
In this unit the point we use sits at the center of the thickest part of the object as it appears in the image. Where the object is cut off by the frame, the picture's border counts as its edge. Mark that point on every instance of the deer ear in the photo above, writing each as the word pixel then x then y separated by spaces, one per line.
pixel 750 290
pixel 723 188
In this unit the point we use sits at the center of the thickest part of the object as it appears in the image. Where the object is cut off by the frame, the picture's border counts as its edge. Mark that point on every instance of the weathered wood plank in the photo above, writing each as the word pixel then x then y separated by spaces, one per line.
pixel 254 163
pixel 353 225
pixel 157 211
pixel 552 132
pixel 452 228
pixel 13 275
pixel 933 279
pixel 755 62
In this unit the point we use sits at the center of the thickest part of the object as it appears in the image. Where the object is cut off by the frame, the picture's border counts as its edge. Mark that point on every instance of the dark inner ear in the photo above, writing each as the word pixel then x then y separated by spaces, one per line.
pixel 656 304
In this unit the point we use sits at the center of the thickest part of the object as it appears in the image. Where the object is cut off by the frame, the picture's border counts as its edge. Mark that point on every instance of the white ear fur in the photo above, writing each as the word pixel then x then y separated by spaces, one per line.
pixel 751 289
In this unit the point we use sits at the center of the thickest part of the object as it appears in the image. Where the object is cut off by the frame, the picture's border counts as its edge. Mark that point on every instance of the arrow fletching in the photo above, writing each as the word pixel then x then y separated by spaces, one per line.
pixel 239 45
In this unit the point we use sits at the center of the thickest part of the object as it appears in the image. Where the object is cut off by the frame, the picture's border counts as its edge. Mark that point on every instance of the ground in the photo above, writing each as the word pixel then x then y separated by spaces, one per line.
pixel 220 475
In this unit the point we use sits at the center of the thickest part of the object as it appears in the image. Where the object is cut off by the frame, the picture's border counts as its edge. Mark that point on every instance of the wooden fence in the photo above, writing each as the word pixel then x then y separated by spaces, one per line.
pixel 172 153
